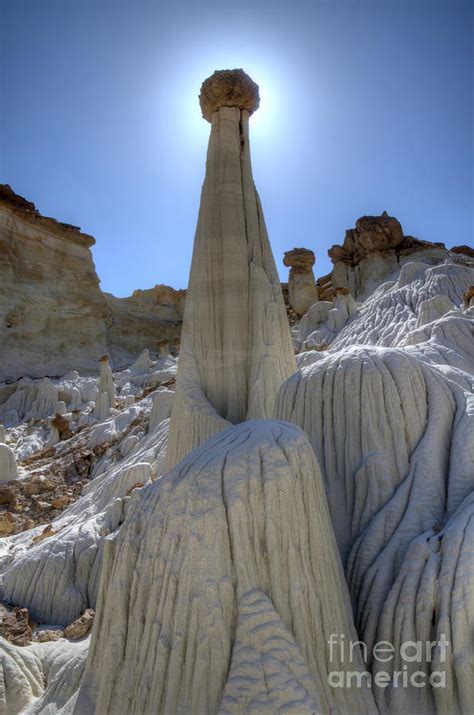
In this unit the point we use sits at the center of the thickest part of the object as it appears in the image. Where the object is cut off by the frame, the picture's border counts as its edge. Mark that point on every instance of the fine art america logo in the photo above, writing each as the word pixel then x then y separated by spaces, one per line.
pixel 407 655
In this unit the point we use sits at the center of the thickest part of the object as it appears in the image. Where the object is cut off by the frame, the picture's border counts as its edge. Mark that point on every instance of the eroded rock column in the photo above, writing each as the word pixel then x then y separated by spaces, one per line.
pixel 236 347
pixel 302 290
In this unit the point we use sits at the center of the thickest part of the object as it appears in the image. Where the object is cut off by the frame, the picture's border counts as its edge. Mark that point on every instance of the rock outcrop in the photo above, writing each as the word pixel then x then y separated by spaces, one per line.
pixel 302 290
pixel 398 308
pixel 148 319
pixel 236 347
pixel 53 316
pixel 376 248
pixel 226 586
pixel 392 429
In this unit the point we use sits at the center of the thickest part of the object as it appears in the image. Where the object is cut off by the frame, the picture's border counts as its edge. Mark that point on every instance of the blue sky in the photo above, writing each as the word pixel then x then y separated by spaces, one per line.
pixel 366 106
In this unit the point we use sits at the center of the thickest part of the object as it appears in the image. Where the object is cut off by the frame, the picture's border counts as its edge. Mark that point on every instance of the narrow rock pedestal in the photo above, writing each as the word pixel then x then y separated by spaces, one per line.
pixel 236 347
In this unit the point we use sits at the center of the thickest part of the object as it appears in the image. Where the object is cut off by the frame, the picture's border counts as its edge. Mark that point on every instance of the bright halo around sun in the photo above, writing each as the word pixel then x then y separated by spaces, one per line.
pixel 186 92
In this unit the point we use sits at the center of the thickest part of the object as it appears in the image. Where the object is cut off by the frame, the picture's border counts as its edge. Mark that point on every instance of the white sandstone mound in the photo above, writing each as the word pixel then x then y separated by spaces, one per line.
pixel 162 406
pixel 315 318
pixel 433 308
pixel 8 468
pixel 364 411
pixel 223 587
pixel 393 431
pixel 431 598
pixel 40 676
pixel 387 317
pixel 325 319
pixel 236 347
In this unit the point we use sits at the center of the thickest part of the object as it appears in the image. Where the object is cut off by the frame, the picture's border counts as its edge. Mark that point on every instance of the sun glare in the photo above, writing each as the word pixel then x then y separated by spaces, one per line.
pixel 186 88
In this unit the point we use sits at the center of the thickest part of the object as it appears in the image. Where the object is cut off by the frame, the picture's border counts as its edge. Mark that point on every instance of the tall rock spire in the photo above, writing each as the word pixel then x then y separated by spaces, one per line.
pixel 236 347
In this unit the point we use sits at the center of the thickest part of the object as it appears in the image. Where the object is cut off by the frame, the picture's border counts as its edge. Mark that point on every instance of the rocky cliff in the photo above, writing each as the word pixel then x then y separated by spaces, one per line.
pixel 148 319
pixel 53 315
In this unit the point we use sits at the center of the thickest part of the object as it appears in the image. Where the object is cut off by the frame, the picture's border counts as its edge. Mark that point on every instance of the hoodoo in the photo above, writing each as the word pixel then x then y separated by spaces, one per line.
pixel 236 347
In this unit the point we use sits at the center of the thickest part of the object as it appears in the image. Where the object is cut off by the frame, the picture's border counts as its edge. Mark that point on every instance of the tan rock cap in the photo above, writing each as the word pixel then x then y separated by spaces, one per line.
pixel 228 88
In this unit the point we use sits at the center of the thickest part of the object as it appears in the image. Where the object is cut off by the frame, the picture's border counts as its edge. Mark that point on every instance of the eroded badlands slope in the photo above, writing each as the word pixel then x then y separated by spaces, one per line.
pixel 391 428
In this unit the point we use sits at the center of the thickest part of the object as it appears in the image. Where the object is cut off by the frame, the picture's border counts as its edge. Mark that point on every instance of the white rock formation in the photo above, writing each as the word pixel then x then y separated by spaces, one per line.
pixel 40 676
pixel 142 363
pixel 60 408
pixel 8 468
pixel 432 597
pixel 219 584
pixel 388 316
pixel 235 347
pixel 393 431
pixel 162 405
pixel 345 302
pixel 27 399
pixel 432 309
pixel 166 369
pixel 106 380
pixel 57 578
pixel 325 319
pixel 102 406
pixel 316 316
pixel 225 541
pixel 337 318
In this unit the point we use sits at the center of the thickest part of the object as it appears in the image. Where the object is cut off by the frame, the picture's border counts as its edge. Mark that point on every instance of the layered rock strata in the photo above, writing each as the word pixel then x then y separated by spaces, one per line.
pixel 148 319
pixel 53 316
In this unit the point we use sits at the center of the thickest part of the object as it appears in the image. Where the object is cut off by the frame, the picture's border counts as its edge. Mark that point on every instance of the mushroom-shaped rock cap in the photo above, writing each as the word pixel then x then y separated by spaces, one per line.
pixel 300 259
pixel 228 88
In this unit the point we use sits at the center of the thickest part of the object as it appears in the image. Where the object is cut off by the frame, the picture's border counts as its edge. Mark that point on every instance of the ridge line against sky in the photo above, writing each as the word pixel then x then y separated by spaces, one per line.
pixel 366 106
